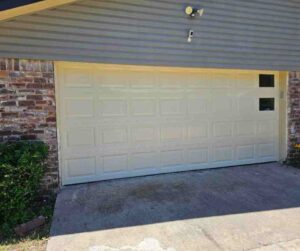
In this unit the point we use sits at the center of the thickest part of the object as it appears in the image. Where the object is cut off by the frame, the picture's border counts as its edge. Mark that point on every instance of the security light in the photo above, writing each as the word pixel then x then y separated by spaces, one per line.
pixel 192 12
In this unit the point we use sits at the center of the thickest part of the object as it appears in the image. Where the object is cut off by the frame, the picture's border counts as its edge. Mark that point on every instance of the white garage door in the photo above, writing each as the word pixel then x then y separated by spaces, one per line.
pixel 122 122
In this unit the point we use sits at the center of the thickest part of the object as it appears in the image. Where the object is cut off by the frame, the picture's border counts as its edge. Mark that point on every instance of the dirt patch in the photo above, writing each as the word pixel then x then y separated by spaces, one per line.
pixel 160 192
pixel 111 205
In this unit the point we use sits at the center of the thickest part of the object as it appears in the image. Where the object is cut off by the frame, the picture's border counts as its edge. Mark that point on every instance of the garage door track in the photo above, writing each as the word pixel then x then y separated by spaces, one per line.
pixel 253 207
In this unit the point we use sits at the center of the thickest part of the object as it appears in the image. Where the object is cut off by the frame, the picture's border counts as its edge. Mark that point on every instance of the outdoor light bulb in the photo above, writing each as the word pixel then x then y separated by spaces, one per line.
pixel 189 10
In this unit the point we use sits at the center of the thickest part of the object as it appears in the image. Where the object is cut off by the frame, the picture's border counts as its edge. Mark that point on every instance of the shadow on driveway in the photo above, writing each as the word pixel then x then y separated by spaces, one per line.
pixel 180 197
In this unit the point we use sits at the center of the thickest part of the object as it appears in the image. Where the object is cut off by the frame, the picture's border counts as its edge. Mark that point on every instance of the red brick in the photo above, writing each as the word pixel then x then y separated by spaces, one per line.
pixel 41 102
pixel 23 113
pixel 8 103
pixel 5 133
pixel 9 114
pixel 26 103
pixel 294 117
pixel 50 119
pixel 34 97
pixel 29 137
pixel 34 86
pixel 40 80
pixel 18 85
pixel 4 74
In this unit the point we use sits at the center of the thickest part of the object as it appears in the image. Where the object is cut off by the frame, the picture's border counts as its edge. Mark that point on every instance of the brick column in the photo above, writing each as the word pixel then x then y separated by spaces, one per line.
pixel 27 108
pixel 294 118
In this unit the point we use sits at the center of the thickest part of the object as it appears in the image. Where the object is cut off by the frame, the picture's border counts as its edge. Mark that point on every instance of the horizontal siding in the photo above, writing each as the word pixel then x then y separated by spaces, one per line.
pixel 258 34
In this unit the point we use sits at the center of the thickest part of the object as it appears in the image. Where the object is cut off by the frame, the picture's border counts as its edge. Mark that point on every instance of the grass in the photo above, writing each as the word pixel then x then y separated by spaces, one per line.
pixel 37 239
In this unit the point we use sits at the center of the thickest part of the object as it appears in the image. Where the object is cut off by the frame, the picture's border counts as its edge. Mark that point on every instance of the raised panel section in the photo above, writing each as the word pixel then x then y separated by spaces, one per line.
pixel 81 167
pixel 197 105
pixel 144 160
pixel 143 107
pixel 246 152
pixel 172 158
pixel 114 135
pixel 246 128
pixel 77 77
pixel 170 106
pixel 223 153
pixel 222 80
pixel 197 155
pixel 246 105
pixel 222 104
pixel 115 163
pixel 197 131
pixel 143 134
pixel 266 150
pixel 194 80
pixel 80 137
pixel 171 132
pixel 113 107
pixel 222 129
pixel 266 127
pixel 79 107
pixel 246 81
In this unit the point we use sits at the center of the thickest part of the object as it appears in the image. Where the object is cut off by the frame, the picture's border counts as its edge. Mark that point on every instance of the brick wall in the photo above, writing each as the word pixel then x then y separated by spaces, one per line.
pixel 294 118
pixel 27 108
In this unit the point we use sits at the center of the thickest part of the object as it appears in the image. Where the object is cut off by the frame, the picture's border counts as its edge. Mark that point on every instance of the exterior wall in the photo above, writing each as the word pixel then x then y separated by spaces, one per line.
pixel 234 34
pixel 294 118
pixel 27 108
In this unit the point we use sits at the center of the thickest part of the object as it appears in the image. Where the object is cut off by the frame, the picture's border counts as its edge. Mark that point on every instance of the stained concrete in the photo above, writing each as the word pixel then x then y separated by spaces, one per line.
pixel 253 207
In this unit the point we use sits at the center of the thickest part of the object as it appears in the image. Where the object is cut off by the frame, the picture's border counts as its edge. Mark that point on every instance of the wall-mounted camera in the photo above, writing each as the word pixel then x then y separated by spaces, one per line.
pixel 190 36
pixel 192 12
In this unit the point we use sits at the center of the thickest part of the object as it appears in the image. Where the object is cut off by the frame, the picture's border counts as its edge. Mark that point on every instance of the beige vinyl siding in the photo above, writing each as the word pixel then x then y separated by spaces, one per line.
pixel 261 34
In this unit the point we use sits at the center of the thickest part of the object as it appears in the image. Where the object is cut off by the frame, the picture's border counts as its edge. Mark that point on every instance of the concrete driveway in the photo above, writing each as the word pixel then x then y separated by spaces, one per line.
pixel 240 208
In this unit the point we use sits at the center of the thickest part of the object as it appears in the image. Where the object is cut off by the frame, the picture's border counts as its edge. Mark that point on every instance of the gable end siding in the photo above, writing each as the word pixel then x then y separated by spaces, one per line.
pixel 261 34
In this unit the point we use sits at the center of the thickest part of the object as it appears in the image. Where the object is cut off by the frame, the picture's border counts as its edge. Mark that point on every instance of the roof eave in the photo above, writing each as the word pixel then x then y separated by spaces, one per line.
pixel 31 8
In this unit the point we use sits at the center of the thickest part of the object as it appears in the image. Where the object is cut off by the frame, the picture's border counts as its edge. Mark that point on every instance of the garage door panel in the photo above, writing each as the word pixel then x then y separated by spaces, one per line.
pixel 144 160
pixel 222 129
pixel 246 128
pixel 222 104
pixel 172 133
pixel 247 105
pixel 79 107
pixel 247 81
pixel 197 131
pixel 266 150
pixel 197 105
pixel 143 107
pixel 123 123
pixel 267 128
pixel 172 158
pixel 223 153
pixel 198 155
pixel 79 167
pixel 144 134
pixel 245 152
pixel 172 106
pixel 81 136
pixel 111 136
pixel 113 107
pixel 77 77
pixel 221 80
pixel 115 163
